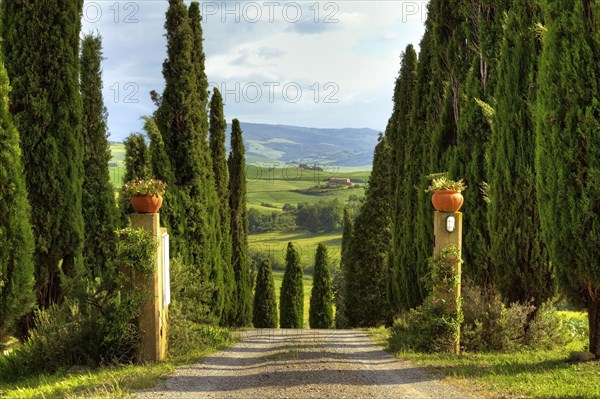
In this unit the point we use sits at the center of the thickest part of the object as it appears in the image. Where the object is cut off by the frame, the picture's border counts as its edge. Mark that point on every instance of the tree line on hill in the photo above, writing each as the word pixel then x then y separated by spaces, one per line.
pixel 323 216
pixel 503 94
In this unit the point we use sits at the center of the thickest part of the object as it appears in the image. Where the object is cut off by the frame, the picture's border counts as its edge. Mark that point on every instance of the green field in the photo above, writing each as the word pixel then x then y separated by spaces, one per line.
pixel 274 245
pixel 277 193
pixel 117 173
pixel 272 185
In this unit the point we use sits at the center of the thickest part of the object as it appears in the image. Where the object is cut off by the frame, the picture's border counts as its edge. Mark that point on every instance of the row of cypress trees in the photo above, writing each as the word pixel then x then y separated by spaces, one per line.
pixel 57 204
pixel 55 157
pixel 206 190
pixel 504 94
pixel 291 309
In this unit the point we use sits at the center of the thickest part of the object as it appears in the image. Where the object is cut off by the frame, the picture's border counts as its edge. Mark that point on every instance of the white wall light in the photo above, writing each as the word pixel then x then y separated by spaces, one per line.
pixel 450 224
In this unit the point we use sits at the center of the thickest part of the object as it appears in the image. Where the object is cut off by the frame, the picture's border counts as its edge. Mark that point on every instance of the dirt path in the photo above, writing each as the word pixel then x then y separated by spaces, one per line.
pixel 274 364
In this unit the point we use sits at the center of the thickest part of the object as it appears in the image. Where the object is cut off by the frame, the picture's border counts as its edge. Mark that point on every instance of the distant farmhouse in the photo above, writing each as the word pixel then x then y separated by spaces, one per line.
pixel 340 181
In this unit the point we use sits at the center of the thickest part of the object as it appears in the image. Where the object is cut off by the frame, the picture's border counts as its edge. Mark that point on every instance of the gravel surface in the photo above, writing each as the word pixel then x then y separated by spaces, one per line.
pixel 302 364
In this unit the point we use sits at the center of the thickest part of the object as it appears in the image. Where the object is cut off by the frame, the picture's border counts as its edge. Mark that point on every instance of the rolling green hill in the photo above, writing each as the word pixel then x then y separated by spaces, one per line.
pixel 268 185
pixel 291 145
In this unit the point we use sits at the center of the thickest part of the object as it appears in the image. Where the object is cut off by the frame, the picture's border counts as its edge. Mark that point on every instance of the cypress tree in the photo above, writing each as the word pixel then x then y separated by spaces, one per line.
pixel 16 237
pixel 473 131
pixel 137 158
pixel 160 164
pixel 291 298
pixel 239 228
pixel 41 47
pixel 98 201
pixel 451 62
pixel 568 152
pixel 137 167
pixel 217 136
pixel 404 177
pixel 424 117
pixel 182 121
pixel 519 258
pixel 342 279
pixel 198 57
pixel 265 304
pixel 366 301
pixel 321 297
pixel 468 163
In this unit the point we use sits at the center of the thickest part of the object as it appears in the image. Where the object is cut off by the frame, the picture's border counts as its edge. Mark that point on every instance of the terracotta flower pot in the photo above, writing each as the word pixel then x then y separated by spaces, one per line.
pixel 447 200
pixel 146 203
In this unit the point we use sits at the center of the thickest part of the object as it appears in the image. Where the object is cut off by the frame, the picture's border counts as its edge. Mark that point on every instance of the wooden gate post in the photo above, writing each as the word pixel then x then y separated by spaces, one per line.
pixel 153 320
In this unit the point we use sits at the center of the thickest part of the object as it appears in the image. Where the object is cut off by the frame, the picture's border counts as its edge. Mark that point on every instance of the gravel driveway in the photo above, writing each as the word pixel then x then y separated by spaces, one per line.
pixel 302 364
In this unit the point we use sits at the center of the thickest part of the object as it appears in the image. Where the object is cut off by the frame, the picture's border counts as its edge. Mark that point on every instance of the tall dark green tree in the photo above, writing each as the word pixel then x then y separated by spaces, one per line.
pixel 41 47
pixel 265 303
pixel 16 240
pixel 451 59
pixel 98 201
pixel 366 300
pixel 468 160
pixel 404 177
pixel 198 57
pixel 137 167
pixel 568 151
pixel 342 278
pixel 217 137
pixel 137 158
pixel 239 228
pixel 425 115
pixel 291 297
pixel 160 164
pixel 321 297
pixel 519 259
pixel 182 121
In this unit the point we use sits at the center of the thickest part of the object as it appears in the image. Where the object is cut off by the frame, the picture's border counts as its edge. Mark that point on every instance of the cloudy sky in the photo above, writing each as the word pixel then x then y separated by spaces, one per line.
pixel 306 63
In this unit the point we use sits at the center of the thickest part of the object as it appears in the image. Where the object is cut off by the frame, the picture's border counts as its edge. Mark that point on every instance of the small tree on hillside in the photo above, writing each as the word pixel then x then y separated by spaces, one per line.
pixel 291 299
pixel 265 304
pixel 321 296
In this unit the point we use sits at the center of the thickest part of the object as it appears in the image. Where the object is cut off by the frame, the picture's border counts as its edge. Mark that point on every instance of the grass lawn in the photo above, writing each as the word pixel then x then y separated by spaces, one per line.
pixel 532 374
pixel 275 245
pixel 107 382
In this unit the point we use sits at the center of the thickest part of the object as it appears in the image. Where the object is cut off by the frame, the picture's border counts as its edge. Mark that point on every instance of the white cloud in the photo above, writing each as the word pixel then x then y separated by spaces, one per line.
pixel 358 56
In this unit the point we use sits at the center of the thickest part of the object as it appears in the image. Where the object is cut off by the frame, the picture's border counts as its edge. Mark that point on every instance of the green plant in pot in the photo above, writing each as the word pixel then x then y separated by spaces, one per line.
pixel 447 195
pixel 146 195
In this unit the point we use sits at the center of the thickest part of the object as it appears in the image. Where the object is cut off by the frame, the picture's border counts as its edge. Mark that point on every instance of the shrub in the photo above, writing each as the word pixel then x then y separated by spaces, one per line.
pixel 98 325
pixel 423 329
pixel 487 325
pixel 189 323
